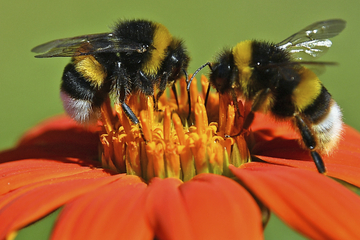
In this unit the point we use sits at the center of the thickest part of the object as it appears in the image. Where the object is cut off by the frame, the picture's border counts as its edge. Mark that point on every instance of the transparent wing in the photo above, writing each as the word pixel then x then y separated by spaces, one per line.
pixel 85 45
pixel 312 41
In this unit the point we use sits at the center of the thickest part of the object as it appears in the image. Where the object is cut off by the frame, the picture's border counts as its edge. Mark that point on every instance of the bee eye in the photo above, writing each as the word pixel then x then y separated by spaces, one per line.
pixel 223 71
pixel 174 59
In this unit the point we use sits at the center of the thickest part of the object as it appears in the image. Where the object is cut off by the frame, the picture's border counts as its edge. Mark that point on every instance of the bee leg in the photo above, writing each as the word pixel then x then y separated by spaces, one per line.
pixel 156 100
pixel 259 101
pixel 160 93
pixel 173 89
pixel 129 113
pixel 189 100
pixel 188 81
pixel 156 108
pixel 207 95
pixel 310 142
pixel 234 97
pixel 155 103
pixel 145 84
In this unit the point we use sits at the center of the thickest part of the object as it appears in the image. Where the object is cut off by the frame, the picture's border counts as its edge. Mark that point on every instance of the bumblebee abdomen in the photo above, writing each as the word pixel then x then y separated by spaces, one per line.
pixel 329 128
pixel 90 69
pixel 299 94
pixel 315 104
pixel 325 118
pixel 79 87
pixel 317 109
pixel 308 90
pixel 81 98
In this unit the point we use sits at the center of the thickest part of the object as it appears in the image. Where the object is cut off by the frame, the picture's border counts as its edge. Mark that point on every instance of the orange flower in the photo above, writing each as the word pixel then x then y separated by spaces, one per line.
pixel 166 181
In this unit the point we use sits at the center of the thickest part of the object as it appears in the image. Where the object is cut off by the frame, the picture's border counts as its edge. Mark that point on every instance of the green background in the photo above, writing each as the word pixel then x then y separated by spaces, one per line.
pixel 29 90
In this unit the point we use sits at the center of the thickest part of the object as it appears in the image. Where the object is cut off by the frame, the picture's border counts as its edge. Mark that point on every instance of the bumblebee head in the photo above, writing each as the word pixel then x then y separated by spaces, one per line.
pixel 222 74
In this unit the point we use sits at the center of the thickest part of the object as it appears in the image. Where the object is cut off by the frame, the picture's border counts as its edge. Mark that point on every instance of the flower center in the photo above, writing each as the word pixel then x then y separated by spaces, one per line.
pixel 162 146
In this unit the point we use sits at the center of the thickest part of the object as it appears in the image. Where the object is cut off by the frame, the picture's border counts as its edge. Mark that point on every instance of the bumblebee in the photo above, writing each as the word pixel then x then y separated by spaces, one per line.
pixel 137 56
pixel 273 78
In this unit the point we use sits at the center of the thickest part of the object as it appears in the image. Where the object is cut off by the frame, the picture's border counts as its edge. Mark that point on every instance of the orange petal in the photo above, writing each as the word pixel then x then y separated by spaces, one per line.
pixel 56 138
pixel 272 128
pixel 343 164
pixel 57 129
pixel 220 208
pixel 21 173
pixel 166 210
pixel 10 196
pixel 114 211
pixel 311 203
pixel 34 203
pixel 61 152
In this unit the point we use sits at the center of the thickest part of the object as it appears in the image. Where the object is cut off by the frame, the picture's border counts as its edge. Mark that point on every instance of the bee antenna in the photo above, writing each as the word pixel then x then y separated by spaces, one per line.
pixel 186 75
pixel 196 72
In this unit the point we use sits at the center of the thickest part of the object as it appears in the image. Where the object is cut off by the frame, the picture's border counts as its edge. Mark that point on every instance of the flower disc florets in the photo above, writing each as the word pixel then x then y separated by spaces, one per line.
pixel 164 145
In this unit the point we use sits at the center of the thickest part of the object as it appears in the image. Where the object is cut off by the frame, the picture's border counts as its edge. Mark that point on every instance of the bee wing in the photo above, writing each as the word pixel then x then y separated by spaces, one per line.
pixel 312 41
pixel 85 45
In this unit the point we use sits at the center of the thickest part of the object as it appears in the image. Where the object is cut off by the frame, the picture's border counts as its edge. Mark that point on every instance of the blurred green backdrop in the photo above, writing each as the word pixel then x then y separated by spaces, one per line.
pixel 29 89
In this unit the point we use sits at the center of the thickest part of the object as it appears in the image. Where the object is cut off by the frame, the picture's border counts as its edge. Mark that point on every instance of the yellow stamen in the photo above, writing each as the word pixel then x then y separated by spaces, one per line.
pixel 223 106
pixel 125 123
pixel 119 154
pixel 172 161
pixel 183 94
pixel 204 85
pixel 215 152
pixel 157 153
pixel 229 120
pixel 145 120
pixel 186 158
pixel 107 116
pixel 133 157
pixel 167 124
pixel 199 119
pixel 161 146
pixel 241 153
pixel 198 148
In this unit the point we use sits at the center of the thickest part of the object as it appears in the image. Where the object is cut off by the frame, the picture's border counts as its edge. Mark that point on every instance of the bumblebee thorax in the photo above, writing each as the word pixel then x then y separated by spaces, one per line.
pixel 242 53
pixel 161 41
